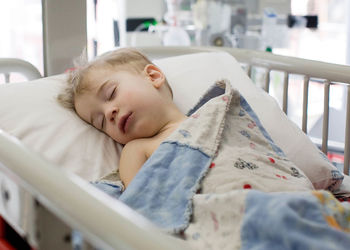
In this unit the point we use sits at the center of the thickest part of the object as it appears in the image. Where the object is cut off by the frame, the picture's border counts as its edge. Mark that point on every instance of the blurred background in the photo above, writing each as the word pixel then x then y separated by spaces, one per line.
pixel 230 23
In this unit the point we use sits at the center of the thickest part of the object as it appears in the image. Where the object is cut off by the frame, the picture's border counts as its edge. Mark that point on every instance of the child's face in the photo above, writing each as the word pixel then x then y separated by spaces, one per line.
pixel 124 105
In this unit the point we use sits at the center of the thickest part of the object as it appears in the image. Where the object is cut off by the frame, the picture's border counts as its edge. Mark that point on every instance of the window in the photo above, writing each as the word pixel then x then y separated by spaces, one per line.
pixel 21 33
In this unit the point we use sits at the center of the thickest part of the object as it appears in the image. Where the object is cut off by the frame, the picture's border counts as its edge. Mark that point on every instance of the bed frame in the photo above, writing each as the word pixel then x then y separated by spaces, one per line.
pixel 52 210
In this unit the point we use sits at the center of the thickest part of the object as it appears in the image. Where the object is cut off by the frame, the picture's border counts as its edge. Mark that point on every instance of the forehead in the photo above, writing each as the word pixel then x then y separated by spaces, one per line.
pixel 94 78
pixel 86 96
pixel 83 104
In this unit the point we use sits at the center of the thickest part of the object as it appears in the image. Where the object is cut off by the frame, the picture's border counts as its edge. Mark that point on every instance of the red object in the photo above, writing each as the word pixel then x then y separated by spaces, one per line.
pixel 69 70
pixel 335 157
pixel 225 98
pixel 2 227
pixel 212 165
pixel 271 160
pixel 247 186
pixel 4 245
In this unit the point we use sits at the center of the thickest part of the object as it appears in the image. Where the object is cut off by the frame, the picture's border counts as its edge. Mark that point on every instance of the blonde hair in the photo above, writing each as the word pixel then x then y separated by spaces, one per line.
pixel 132 58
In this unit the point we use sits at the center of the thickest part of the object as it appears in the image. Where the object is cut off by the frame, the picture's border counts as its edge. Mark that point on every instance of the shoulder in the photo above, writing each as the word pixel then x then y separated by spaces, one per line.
pixel 144 146
pixel 135 148
pixel 132 158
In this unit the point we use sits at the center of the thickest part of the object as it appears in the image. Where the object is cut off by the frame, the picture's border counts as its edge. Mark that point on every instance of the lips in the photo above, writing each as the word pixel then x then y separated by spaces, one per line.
pixel 123 122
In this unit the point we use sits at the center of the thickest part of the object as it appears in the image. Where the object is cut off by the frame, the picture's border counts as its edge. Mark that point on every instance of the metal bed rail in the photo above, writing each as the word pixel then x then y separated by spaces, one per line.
pixel 80 205
pixel 327 82
pixel 12 65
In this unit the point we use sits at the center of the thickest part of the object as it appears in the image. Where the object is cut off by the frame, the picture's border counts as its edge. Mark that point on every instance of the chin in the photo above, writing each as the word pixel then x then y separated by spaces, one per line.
pixel 123 141
pixel 118 140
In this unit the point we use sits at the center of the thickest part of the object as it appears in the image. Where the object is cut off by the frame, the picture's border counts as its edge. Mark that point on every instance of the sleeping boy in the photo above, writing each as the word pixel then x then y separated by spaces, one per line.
pixel 124 95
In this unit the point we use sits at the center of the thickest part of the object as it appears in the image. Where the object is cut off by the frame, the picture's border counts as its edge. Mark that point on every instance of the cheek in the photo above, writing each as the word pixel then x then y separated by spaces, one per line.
pixel 114 135
pixel 129 96
pixel 147 126
pixel 135 98
pixel 110 133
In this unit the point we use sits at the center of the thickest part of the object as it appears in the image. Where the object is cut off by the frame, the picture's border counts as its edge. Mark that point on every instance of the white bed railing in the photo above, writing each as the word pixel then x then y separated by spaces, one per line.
pixel 104 221
pixel 14 65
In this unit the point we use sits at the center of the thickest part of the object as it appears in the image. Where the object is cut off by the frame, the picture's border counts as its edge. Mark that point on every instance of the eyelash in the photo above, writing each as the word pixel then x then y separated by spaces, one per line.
pixel 103 122
pixel 112 94
pixel 109 99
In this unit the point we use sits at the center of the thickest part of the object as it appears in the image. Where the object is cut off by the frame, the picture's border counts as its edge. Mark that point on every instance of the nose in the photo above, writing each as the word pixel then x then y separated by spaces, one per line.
pixel 112 114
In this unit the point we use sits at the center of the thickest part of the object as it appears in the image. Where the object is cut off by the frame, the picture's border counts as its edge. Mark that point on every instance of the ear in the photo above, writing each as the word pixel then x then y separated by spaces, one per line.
pixel 155 75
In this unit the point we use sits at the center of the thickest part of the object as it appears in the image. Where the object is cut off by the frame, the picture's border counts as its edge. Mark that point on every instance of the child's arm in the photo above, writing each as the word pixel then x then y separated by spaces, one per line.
pixel 132 158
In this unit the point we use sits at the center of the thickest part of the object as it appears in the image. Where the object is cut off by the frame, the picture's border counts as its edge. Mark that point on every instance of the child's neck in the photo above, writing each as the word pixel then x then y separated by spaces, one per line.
pixel 172 124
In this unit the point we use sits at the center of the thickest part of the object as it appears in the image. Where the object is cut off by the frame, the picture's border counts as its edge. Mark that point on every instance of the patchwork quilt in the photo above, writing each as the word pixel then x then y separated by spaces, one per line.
pixel 220 182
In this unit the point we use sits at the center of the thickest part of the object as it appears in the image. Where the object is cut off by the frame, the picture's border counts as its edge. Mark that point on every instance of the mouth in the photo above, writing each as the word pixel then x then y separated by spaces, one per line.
pixel 124 121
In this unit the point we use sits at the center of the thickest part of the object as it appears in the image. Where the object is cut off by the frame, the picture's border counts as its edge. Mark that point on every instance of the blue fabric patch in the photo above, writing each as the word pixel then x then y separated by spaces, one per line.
pixel 275 221
pixel 113 190
pixel 162 190
pixel 249 110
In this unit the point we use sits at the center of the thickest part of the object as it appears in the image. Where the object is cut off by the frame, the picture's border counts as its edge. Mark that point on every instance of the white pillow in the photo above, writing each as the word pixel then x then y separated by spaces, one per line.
pixel 30 112
pixel 191 75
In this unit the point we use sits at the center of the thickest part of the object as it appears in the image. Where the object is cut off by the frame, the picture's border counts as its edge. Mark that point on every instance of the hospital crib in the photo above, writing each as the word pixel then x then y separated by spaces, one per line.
pixel 55 203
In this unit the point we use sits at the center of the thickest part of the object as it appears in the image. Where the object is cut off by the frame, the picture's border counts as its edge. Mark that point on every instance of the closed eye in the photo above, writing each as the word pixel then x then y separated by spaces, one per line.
pixel 111 96
pixel 102 122
pixel 99 122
